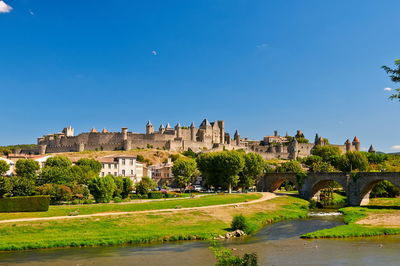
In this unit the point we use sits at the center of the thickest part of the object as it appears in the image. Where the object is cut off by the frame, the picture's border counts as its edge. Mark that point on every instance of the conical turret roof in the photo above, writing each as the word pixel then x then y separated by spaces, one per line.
pixel 371 149
pixel 168 126
pixel 93 130
pixel 149 123
pixel 161 126
pixel 356 139
pixel 192 125
pixel 236 133
pixel 205 123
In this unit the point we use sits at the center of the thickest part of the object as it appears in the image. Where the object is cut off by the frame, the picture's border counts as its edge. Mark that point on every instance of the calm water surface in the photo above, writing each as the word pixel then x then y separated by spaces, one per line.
pixel 277 244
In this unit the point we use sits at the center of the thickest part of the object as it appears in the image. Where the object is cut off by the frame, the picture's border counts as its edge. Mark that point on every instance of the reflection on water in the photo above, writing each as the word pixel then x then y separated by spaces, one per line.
pixel 277 244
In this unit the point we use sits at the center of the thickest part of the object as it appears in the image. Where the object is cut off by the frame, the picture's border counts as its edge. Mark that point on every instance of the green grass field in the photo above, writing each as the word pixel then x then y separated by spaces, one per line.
pixel 65 210
pixel 354 214
pixel 144 228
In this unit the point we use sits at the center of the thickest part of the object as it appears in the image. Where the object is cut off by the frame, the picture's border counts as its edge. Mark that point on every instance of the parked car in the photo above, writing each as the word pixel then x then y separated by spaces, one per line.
pixel 197 188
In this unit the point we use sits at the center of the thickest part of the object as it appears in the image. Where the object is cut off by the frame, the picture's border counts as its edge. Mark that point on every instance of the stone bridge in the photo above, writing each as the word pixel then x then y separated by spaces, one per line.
pixel 357 186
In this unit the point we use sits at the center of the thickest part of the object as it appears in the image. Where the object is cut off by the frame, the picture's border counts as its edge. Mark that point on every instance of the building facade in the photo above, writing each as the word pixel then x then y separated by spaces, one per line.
pixel 122 166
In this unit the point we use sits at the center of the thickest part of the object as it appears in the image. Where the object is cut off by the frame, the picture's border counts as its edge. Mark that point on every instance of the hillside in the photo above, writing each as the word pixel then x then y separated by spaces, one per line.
pixel 154 156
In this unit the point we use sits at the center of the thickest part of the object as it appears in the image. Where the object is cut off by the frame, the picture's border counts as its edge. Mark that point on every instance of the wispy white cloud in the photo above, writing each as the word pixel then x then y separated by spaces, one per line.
pixel 262 46
pixel 395 147
pixel 387 89
pixel 4 8
pixel 154 52
pixel 31 12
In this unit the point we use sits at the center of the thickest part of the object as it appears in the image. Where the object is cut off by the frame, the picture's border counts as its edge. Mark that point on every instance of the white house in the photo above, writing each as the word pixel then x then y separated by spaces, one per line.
pixel 122 165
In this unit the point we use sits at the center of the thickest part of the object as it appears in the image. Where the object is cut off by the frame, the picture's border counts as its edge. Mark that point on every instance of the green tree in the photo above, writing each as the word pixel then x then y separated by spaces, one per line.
pixel 394 74
pixel 190 153
pixel 185 171
pixel 326 152
pixel 229 164
pixel 221 168
pixel 4 167
pixel 145 186
pixel 93 164
pixel 353 160
pixel 254 166
pixel 309 160
pixel 376 158
pixel 102 188
pixel 58 161
pixel 127 187
pixel 6 186
pixel 385 189
pixel 27 168
pixel 81 174
pixel 290 167
pixel 321 167
pixel 119 186
pixel 56 175
pixel 22 186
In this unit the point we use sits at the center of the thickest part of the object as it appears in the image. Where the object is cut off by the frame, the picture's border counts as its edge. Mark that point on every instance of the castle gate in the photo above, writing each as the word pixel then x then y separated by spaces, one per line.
pixel 357 186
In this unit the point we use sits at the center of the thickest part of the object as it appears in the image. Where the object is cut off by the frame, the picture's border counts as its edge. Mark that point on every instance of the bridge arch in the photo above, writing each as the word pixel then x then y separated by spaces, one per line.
pixel 275 180
pixel 368 182
pixel 321 184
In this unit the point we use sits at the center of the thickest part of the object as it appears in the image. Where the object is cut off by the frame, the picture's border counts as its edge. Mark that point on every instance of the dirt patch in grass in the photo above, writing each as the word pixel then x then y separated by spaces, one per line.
pixel 391 219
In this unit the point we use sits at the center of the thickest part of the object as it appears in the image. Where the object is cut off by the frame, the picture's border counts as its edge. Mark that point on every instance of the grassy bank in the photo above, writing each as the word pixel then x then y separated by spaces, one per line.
pixel 352 215
pixel 144 228
pixel 65 210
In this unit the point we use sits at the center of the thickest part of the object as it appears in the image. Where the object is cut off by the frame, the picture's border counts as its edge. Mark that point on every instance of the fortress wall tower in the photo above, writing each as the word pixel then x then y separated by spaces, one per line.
pixel 149 128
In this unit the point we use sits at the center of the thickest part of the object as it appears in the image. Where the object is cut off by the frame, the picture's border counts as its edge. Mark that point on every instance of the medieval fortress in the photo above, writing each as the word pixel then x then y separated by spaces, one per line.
pixel 209 136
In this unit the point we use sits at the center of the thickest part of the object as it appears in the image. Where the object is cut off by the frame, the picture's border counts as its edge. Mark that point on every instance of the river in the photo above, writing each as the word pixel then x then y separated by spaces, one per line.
pixel 276 244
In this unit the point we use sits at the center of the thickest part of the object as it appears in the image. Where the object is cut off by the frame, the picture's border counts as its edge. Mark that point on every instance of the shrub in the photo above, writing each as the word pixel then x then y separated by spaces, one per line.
pixel 145 185
pixel 25 204
pixel 80 192
pixel 102 189
pixel 57 193
pixel 117 200
pixel 240 222
pixel 155 195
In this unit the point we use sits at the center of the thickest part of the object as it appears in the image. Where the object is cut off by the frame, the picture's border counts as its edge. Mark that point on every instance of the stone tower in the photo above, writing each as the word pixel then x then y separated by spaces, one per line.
pixel 221 125
pixel 356 143
pixel 348 145
pixel 161 129
pixel 192 132
pixel 149 128
pixel 293 148
pixel 68 131
pixel 178 130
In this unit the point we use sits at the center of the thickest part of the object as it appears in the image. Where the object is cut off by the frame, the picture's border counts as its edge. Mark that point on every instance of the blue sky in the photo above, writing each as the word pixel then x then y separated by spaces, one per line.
pixel 259 65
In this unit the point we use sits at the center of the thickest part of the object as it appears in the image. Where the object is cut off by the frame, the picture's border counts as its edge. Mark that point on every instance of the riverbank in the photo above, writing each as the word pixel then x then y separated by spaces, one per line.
pixel 137 228
pixel 381 217
pixel 144 205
